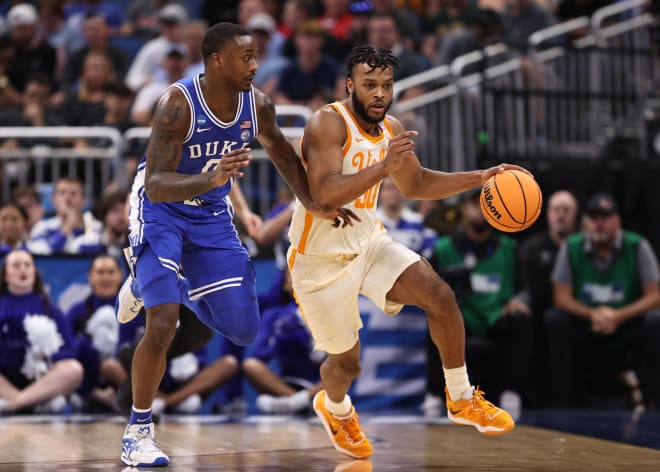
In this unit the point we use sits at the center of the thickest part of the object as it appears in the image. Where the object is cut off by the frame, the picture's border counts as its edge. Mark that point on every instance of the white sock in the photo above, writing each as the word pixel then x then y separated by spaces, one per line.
pixel 458 383
pixel 341 409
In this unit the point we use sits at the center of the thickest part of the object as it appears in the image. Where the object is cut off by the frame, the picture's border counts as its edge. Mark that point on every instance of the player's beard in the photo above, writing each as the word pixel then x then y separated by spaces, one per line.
pixel 363 112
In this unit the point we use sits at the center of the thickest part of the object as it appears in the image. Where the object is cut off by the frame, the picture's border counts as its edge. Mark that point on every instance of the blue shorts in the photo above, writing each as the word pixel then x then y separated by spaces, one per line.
pixel 212 257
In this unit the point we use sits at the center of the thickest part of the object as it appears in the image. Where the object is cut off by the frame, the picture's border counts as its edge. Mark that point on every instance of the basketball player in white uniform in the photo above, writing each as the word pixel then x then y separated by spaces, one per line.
pixel 348 147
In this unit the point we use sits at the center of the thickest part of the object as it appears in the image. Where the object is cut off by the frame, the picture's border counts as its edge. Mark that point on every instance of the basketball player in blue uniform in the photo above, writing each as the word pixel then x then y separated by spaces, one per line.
pixel 181 217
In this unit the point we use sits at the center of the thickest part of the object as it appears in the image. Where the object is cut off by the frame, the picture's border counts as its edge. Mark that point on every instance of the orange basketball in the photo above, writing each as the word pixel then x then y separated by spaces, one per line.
pixel 511 201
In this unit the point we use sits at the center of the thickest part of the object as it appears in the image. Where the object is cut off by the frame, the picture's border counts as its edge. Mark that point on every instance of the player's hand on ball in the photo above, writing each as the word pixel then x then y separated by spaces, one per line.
pixel 399 148
pixel 488 173
pixel 231 166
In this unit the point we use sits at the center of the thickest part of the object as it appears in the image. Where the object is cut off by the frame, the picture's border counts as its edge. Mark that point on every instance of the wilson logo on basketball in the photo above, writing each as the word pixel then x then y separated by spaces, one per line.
pixel 489 201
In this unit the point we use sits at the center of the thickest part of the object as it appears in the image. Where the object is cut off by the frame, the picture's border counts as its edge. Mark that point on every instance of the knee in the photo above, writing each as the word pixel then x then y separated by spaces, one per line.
pixel 349 367
pixel 251 366
pixel 160 331
pixel 71 371
pixel 230 364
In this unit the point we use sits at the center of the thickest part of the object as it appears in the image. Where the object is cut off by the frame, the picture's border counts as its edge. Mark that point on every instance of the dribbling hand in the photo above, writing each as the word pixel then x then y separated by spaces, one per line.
pixel 231 166
pixel 488 173
pixel 399 148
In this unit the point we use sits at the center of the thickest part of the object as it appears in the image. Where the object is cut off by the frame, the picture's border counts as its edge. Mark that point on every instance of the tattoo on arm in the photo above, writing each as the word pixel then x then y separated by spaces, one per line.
pixel 164 151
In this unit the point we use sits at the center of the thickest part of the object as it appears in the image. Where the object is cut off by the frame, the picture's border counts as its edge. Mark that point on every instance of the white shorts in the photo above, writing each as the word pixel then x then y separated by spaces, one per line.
pixel 327 288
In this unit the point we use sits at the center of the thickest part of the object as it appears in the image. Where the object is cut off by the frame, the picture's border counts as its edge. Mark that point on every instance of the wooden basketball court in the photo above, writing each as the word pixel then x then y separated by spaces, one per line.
pixel 272 444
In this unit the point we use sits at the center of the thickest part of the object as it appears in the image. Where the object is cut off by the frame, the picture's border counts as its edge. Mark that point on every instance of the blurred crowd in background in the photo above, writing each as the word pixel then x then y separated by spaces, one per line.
pixel 563 315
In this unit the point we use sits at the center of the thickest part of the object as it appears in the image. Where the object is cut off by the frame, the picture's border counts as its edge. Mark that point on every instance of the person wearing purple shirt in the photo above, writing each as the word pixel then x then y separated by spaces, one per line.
pixel 96 333
pixel 37 358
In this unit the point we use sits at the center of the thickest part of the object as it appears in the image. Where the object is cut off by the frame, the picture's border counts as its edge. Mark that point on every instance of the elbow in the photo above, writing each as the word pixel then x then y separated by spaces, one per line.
pixel 151 189
pixel 326 204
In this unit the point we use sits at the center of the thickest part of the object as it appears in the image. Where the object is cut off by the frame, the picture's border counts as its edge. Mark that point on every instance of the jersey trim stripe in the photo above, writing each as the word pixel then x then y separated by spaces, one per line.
pixel 373 139
pixel 253 107
pixel 386 122
pixel 309 219
pixel 213 284
pixel 216 289
pixel 191 126
pixel 207 110
pixel 169 264
pixel 349 136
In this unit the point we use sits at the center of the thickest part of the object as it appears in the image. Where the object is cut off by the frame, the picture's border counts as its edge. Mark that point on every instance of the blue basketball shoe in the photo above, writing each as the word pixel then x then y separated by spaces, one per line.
pixel 129 303
pixel 139 447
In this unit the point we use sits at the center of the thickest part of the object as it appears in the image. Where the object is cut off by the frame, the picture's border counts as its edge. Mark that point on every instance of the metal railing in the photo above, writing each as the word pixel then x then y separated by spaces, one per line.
pixel 583 84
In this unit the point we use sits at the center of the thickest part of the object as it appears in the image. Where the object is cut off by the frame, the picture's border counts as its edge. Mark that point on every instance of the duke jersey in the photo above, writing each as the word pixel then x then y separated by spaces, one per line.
pixel 315 236
pixel 207 140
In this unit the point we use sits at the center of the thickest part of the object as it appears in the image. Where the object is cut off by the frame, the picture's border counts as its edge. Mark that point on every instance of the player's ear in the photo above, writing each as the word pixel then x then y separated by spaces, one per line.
pixel 350 85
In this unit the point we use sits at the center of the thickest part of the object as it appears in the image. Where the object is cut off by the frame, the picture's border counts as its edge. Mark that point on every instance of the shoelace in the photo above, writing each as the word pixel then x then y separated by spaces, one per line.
pixel 144 442
pixel 485 405
pixel 352 427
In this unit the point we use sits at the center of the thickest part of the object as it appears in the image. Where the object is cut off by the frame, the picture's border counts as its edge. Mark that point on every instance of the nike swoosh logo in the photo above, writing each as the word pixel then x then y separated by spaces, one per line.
pixel 143 421
pixel 334 431
pixel 454 412
pixel 216 213
pixel 201 130
pixel 357 140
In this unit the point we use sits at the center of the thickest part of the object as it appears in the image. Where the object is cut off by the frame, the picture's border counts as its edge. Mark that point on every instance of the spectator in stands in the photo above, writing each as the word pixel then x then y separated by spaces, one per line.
pixel 13 228
pixel 76 11
pixel 606 316
pixel 53 30
pixel 32 54
pixel 28 199
pixel 271 65
pixel 193 35
pixel 117 102
pixel 336 19
pixel 536 259
pixel 383 32
pixel 174 64
pixel 96 333
pixel 84 105
pixel 486 30
pixel 189 376
pixel 520 19
pixel 408 24
pixel 402 223
pixel 34 110
pixel 310 76
pixel 112 212
pixel 142 20
pixel 537 253
pixel 97 35
pixel 170 19
pixel 248 9
pixel 295 12
pixel 442 18
pixel 284 339
pixel 275 227
pixel 37 359
pixel 9 95
pixel 479 264
pixel 71 227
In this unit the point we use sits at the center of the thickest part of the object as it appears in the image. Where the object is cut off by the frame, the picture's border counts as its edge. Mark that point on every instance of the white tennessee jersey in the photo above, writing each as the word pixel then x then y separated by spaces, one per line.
pixel 315 236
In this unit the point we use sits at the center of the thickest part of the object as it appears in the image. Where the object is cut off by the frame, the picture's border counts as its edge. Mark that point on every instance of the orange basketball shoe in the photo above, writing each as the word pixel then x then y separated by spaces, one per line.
pixel 346 434
pixel 480 413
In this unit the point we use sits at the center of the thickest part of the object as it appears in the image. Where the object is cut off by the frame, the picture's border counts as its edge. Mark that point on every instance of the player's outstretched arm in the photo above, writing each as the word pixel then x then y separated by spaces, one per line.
pixel 170 126
pixel 420 183
pixel 288 164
